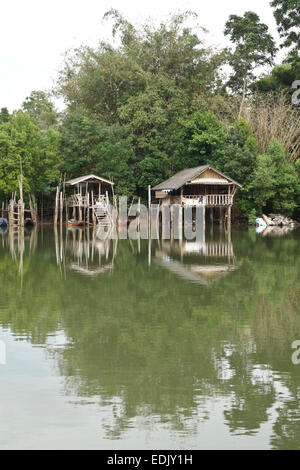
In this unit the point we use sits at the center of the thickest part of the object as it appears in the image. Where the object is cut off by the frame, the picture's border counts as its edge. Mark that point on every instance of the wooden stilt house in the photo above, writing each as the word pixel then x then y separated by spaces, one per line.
pixel 200 186
pixel 88 199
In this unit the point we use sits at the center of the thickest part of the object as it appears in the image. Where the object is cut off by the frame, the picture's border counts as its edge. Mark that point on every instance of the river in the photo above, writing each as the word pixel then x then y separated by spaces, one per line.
pixel 135 345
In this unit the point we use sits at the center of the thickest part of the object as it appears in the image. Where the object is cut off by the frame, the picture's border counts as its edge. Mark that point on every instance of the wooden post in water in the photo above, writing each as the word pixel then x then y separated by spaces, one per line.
pixel 66 210
pixel 56 206
pixel 88 208
pixel 228 217
pixel 172 222
pixel 180 222
pixel 149 211
pixel 61 208
pixel 139 215
pixel 93 212
pixel 21 205
pixel 11 212
pixel 31 207
pixel 35 211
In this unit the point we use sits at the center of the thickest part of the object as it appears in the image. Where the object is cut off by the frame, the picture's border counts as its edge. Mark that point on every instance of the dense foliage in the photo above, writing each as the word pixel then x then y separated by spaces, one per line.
pixel 156 100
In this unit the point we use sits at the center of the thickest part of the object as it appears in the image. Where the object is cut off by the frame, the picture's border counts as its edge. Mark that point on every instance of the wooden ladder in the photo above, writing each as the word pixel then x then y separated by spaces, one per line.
pixel 102 215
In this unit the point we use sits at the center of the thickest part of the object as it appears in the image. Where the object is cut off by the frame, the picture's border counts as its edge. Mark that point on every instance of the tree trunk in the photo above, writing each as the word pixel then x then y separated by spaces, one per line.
pixel 244 95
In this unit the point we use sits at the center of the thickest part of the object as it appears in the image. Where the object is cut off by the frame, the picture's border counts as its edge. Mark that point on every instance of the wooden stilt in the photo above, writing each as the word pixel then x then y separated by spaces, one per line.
pixel 139 215
pixel 228 217
pixel 149 211
pixel 61 209
pixel 56 206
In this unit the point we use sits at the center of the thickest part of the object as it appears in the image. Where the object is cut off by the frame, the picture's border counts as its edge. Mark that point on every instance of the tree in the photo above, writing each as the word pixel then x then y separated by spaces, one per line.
pixel 281 78
pixel 103 79
pixel 287 16
pixel 254 47
pixel 275 183
pixel 24 150
pixel 239 161
pixel 4 115
pixel 91 146
pixel 273 115
pixel 51 158
pixel 41 109
pixel 205 138
pixel 153 79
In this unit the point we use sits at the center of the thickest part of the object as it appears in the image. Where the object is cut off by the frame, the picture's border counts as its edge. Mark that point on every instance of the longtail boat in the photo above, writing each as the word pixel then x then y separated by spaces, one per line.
pixel 75 223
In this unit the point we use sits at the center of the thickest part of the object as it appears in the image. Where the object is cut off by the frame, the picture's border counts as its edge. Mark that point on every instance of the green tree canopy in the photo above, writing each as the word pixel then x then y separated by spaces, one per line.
pixel 91 146
pixel 24 150
pixel 275 183
pixel 287 16
pixel 281 78
pixel 205 137
pixel 102 79
pixel 41 109
pixel 254 46
pixel 4 115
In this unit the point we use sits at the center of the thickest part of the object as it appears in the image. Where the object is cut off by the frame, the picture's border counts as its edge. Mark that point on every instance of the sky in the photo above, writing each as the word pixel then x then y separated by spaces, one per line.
pixel 34 34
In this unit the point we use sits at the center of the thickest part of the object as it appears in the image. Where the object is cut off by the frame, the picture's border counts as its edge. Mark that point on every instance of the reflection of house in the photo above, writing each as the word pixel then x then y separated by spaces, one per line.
pixel 84 253
pixel 200 186
pixel 201 263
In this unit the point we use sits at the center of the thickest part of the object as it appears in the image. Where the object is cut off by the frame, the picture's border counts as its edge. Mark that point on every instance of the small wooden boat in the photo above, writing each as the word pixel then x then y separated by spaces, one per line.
pixel 75 223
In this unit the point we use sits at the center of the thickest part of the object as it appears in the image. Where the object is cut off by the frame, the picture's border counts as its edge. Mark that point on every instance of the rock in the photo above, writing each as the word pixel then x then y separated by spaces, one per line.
pixel 279 220
pixel 266 219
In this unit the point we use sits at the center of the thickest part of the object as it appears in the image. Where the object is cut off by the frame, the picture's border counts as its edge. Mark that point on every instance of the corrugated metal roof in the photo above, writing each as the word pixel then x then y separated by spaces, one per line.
pixel 86 178
pixel 181 178
pixel 178 180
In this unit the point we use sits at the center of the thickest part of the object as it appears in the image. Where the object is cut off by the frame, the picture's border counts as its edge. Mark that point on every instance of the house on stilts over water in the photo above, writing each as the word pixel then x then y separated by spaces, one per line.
pixel 88 200
pixel 202 186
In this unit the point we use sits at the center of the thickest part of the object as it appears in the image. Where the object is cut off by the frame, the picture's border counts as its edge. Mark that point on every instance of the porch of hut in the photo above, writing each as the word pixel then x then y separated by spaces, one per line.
pixel 87 199
pixel 202 186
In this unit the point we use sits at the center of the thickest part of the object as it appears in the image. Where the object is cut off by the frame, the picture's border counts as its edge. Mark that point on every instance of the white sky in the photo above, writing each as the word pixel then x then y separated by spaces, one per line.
pixel 34 34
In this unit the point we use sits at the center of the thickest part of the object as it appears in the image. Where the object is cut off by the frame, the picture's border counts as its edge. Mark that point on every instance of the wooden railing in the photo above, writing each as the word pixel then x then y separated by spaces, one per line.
pixel 85 201
pixel 77 200
pixel 218 199
pixel 208 200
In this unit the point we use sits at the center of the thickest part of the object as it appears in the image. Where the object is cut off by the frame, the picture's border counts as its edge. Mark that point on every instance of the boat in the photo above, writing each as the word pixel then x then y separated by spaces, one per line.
pixel 75 223
pixel 3 222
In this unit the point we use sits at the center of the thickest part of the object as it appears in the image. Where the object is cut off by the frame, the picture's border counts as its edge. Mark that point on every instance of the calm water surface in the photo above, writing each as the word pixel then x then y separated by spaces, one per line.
pixel 115 345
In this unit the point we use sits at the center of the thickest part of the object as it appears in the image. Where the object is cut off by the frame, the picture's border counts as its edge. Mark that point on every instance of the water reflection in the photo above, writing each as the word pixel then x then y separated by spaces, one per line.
pixel 82 251
pixel 149 347
pixel 274 231
pixel 198 262
pixel 15 240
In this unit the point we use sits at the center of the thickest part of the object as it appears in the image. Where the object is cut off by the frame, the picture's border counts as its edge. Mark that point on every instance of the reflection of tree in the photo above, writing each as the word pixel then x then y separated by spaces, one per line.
pixel 252 397
pixel 28 301
pixel 286 430
pixel 149 344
